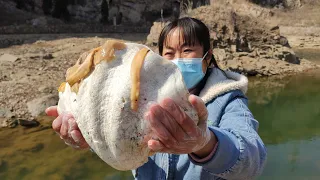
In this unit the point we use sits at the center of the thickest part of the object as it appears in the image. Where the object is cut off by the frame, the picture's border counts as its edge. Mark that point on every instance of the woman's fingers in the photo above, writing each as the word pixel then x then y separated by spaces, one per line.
pixel 56 124
pixel 76 134
pixel 72 125
pixel 79 139
pixel 200 107
pixel 169 122
pixel 65 126
pixel 154 117
pixel 156 145
pixel 185 122
pixel 52 111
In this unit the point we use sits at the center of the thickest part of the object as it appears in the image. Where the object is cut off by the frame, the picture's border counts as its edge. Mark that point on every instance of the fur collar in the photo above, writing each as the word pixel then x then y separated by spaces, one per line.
pixel 217 84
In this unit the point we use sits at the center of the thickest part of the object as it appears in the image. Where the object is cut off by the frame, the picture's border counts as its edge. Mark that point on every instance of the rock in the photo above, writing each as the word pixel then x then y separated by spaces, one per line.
pixel 249 66
pixel 219 54
pixel 291 58
pixel 6 117
pixel 275 28
pixel 41 21
pixel 233 48
pixel 37 106
pixel 241 54
pixel 46 89
pixel 291 4
pixel 48 56
pixel 25 123
pixel 155 31
pixel 3 122
pixel 12 123
pixel 284 41
pixel 138 11
pixel 5 113
pixel 260 65
pixel 279 3
pixel 250 71
pixel 8 58
pixel 233 64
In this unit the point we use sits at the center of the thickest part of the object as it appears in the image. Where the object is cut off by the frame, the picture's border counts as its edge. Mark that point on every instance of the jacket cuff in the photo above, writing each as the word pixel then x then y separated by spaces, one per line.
pixel 205 159
pixel 226 154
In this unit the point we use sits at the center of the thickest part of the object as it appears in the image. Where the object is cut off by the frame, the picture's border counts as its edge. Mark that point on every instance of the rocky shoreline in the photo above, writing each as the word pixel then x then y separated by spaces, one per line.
pixel 31 73
pixel 32 66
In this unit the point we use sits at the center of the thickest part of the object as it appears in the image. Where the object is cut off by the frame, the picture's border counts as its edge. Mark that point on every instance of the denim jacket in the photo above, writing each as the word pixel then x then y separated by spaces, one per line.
pixel 240 154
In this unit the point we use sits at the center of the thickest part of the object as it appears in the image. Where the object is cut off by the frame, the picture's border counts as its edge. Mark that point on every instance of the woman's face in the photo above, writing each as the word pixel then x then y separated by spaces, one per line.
pixel 175 47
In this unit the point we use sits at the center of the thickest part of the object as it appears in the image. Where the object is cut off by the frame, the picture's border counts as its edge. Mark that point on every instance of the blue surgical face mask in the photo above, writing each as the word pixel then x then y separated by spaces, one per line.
pixel 191 69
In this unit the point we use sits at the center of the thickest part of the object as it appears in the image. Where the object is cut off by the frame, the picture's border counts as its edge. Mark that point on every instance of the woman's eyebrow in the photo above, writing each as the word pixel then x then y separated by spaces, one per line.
pixel 187 45
pixel 169 47
pixel 184 45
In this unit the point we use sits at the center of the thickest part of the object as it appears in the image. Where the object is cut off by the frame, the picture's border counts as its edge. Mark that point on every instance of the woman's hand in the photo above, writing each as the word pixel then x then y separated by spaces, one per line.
pixel 177 132
pixel 67 128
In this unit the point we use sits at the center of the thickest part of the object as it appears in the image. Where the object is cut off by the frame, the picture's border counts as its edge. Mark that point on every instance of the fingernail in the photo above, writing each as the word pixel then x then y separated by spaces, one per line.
pixel 169 104
pixel 157 148
pixel 71 123
pixel 46 110
pixel 55 123
pixel 75 137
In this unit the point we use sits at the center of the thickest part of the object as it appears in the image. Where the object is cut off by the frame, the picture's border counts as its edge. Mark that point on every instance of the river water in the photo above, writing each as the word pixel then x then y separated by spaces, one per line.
pixel 289 114
pixel 288 110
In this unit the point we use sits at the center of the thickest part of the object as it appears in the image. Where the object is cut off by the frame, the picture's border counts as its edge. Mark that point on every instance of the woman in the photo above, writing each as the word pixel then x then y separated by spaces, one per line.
pixel 225 144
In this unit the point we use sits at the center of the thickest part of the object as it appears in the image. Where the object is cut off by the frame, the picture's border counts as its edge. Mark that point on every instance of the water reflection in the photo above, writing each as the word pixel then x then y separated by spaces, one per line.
pixel 289 125
pixel 38 153
pixel 294 160
pixel 290 112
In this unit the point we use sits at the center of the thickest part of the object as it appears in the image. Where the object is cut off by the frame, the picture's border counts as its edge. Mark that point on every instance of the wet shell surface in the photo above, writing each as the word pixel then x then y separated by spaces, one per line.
pixel 109 101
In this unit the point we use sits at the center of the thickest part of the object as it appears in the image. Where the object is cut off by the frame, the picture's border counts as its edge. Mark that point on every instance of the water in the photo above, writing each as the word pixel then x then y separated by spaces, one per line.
pixel 289 125
pixel 288 111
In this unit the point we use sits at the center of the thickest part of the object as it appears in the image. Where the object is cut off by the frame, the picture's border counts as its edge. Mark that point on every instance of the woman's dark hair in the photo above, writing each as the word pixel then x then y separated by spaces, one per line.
pixel 193 31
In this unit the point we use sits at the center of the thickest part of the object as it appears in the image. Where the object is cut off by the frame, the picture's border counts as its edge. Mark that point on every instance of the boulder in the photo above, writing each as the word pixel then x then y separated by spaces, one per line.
pixel 8 58
pixel 155 31
pixel 26 123
pixel 37 106
pixel 41 21
pixel 219 54
pixel 5 115
pixel 139 11
pixel 291 4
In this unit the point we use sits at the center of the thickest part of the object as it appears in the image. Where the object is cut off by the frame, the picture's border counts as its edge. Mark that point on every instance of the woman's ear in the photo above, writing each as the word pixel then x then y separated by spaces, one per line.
pixel 209 55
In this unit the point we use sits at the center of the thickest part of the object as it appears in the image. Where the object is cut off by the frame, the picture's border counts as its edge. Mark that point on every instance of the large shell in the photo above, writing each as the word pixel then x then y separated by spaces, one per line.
pixel 116 133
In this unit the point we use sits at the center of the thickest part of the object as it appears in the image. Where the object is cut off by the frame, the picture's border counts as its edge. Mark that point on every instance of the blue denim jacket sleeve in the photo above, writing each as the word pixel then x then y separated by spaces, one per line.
pixel 241 153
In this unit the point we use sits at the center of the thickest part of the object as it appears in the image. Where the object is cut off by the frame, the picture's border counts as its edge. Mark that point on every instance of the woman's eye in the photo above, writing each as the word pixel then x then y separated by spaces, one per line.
pixel 187 50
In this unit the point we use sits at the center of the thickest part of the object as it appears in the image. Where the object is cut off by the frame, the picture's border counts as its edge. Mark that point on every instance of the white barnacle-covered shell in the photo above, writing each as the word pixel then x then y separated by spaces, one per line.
pixel 116 133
